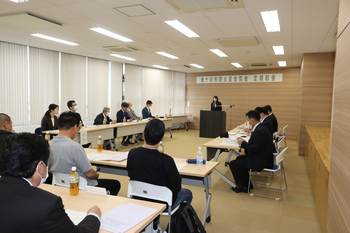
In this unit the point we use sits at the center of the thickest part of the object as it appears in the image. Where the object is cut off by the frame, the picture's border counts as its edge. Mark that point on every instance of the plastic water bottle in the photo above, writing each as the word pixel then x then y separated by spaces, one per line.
pixel 80 125
pixel 161 147
pixel 166 116
pixel 74 182
pixel 124 119
pixel 199 157
pixel 99 144
pixel 47 136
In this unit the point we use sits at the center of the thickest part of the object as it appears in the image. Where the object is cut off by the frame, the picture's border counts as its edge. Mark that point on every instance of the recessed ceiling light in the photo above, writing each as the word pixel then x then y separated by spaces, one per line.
pixel 167 55
pixel 218 52
pixel 271 20
pixel 279 50
pixel 182 28
pixel 237 65
pixel 123 57
pixel 282 63
pixel 111 34
pixel 197 66
pixel 19 1
pixel 54 39
pixel 161 67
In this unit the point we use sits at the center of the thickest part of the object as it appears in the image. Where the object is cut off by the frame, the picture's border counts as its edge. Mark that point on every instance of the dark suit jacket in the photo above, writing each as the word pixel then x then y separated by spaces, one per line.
pixel 32 210
pixel 268 124
pixel 120 116
pixel 79 118
pixel 4 134
pixel 259 149
pixel 100 118
pixel 213 108
pixel 273 119
pixel 46 124
pixel 145 113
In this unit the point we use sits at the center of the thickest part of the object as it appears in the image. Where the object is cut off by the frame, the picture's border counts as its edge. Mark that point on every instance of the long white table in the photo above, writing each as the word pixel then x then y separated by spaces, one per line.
pixel 90 134
pixel 179 119
pixel 84 201
pixel 191 174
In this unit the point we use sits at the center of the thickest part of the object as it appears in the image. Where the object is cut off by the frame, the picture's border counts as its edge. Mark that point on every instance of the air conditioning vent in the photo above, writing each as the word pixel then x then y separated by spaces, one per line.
pixel 190 6
pixel 121 49
pixel 259 65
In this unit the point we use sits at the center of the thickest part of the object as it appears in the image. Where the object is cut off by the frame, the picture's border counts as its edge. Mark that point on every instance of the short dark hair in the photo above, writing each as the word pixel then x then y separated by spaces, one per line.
pixel 20 154
pixel 125 104
pixel 3 118
pixel 148 102
pixel 253 114
pixel 154 131
pixel 67 120
pixel 262 110
pixel 268 108
pixel 70 103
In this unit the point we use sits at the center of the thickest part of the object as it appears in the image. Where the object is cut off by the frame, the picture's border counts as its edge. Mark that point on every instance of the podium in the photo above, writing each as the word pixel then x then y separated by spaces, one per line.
pixel 212 123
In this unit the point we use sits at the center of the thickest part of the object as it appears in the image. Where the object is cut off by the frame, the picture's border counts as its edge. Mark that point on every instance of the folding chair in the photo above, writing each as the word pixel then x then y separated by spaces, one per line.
pixel 284 134
pixel 278 169
pixel 153 192
pixel 37 131
pixel 62 179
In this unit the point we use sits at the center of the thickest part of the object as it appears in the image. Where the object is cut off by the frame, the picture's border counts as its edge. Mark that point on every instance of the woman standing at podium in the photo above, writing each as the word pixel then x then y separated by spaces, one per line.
pixel 216 105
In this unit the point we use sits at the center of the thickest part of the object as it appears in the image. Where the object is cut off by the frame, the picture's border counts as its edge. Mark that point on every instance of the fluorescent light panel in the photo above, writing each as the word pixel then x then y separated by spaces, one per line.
pixel 279 50
pixel 53 39
pixel 218 52
pixel 123 57
pixel 282 63
pixel 167 55
pixel 181 28
pixel 197 66
pixel 237 65
pixel 161 67
pixel 111 34
pixel 271 20
pixel 19 1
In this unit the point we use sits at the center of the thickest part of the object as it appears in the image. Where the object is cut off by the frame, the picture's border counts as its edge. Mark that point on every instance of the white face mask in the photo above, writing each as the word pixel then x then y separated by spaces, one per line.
pixel 76 107
pixel 47 174
pixel 249 125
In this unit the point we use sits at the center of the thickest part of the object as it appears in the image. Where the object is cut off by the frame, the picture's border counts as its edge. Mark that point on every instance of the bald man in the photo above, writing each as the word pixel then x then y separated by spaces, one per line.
pixel 5 126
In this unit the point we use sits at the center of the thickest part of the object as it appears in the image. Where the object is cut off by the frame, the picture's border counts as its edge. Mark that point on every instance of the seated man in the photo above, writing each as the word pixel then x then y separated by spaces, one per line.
pixel 146 111
pixel 65 153
pixel 264 118
pixel 258 153
pixel 26 208
pixel 104 119
pixel 5 127
pixel 73 107
pixel 273 118
pixel 148 165
pixel 132 115
pixel 121 114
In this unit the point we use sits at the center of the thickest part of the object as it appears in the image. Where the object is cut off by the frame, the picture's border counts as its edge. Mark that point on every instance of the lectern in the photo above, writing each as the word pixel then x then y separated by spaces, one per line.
pixel 212 123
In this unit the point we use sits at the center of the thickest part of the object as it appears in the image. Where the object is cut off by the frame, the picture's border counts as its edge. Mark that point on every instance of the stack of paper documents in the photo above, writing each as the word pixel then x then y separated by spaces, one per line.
pixel 124 217
pixel 179 166
pixel 100 156
pixel 229 142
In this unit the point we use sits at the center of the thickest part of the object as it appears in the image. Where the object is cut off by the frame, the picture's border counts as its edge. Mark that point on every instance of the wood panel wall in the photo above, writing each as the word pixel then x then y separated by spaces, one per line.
pixel 339 183
pixel 284 97
pixel 316 92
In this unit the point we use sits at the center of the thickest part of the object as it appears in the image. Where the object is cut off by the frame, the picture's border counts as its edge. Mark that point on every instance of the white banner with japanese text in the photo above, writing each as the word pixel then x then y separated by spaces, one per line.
pixel 251 78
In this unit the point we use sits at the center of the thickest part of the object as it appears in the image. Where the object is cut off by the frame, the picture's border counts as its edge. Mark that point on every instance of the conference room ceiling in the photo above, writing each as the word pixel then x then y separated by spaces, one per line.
pixel 307 26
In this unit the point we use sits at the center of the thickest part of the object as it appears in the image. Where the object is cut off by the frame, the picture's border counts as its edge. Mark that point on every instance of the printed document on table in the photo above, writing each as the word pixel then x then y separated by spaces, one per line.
pixel 99 156
pixel 76 216
pixel 229 142
pixel 179 166
pixel 120 157
pixel 124 217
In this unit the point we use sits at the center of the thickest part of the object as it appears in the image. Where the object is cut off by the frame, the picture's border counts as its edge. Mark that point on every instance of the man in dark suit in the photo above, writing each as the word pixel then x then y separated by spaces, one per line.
pixel 5 127
pixel 121 115
pixel 26 208
pixel 103 118
pixel 146 111
pixel 73 107
pixel 265 119
pixel 273 118
pixel 258 153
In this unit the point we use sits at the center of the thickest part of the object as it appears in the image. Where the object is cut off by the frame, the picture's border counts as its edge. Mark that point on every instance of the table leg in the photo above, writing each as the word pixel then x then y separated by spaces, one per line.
pixel 207 214
pixel 225 178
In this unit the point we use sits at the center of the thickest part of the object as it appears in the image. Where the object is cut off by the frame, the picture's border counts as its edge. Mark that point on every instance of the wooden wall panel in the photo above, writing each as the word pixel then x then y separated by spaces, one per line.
pixel 339 198
pixel 284 97
pixel 316 91
pixel 344 17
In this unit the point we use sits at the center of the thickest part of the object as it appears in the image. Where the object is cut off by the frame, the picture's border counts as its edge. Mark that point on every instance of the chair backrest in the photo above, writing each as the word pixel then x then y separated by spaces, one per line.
pixel 280 141
pixel 62 179
pixel 280 156
pixel 37 131
pixel 150 191
pixel 284 128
